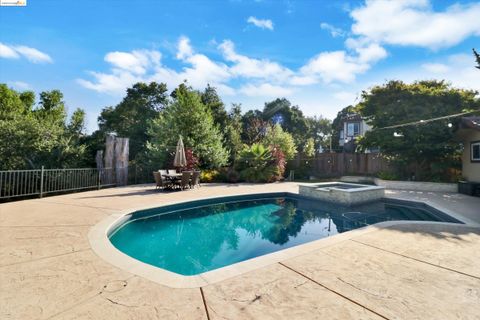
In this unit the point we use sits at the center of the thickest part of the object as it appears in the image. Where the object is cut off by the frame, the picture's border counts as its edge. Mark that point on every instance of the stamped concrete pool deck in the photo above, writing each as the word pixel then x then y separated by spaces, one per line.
pixel 407 271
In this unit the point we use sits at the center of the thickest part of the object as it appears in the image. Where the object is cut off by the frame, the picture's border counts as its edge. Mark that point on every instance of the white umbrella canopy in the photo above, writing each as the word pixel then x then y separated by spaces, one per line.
pixel 180 158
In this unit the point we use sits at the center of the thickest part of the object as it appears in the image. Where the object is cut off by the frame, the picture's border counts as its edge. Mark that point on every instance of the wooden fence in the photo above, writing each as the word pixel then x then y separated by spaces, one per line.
pixel 338 164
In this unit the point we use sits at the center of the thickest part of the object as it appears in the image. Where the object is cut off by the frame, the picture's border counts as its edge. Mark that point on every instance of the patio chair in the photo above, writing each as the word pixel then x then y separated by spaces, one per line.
pixel 184 182
pixel 158 179
pixel 172 170
pixel 163 172
pixel 195 179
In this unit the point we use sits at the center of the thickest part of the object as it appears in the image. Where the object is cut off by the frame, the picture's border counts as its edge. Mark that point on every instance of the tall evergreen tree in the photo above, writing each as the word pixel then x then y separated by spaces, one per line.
pixel 188 117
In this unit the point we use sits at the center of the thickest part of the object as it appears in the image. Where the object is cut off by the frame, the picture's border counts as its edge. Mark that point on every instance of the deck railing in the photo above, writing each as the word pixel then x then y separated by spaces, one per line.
pixel 25 183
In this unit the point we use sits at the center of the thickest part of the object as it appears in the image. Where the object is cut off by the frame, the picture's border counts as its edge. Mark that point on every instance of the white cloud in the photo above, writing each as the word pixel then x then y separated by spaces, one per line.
pixel 31 54
pixel 414 23
pixel 20 85
pixel 265 90
pixel 128 68
pixel 252 77
pixel 371 53
pixel 135 62
pixel 458 69
pixel 7 52
pixel 334 32
pixel 261 23
pixel 253 68
pixel 184 48
pixel 435 67
pixel 334 66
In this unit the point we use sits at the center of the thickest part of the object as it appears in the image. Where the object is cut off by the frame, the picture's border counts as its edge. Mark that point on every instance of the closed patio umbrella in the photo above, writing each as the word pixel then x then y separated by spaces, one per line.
pixel 180 158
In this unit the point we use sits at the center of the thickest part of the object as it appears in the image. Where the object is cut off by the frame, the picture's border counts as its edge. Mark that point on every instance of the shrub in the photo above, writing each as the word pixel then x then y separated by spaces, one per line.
pixel 385 175
pixel 256 163
pixel 192 160
pixel 209 175
pixel 280 164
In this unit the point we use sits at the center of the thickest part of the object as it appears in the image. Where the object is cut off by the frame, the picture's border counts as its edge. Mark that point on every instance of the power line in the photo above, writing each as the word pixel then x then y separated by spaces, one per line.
pixel 426 121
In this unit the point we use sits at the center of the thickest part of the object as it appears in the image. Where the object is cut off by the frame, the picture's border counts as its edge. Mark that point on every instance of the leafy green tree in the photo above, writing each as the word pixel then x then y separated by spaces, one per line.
pixel 189 117
pixel 337 125
pixel 277 138
pixel 131 116
pixel 291 118
pixel 216 107
pixel 429 146
pixel 233 135
pixel 309 149
pixel 32 137
pixel 320 130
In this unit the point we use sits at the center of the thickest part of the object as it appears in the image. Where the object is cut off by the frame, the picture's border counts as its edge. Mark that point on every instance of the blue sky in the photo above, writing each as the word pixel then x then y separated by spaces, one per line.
pixel 318 54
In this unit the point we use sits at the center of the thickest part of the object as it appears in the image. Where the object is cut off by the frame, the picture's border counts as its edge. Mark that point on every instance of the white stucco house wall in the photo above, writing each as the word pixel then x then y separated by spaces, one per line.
pixel 469 134
pixel 353 126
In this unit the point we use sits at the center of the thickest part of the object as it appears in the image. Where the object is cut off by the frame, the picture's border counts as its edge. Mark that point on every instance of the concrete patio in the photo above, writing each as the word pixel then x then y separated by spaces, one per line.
pixel 406 271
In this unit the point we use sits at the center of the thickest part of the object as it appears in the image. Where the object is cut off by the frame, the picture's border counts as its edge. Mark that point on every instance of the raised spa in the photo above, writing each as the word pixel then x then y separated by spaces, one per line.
pixel 347 194
pixel 195 237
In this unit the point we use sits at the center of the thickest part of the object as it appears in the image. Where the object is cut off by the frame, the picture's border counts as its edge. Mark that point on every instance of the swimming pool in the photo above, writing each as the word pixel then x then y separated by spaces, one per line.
pixel 199 236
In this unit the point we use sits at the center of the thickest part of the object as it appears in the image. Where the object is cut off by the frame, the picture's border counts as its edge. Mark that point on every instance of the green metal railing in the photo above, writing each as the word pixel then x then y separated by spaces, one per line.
pixel 26 183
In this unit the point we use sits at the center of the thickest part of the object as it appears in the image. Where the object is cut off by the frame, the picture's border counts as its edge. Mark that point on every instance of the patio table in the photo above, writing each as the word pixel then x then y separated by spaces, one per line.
pixel 172 176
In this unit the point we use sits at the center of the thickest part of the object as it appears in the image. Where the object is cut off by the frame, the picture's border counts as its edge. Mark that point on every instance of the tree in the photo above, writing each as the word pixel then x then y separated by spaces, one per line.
pixel 477 58
pixel 309 149
pixel 189 117
pixel 216 107
pixel 291 118
pixel 279 139
pixel 253 127
pixel 32 137
pixel 429 146
pixel 131 116
pixel 337 125
pixel 320 131
pixel 233 135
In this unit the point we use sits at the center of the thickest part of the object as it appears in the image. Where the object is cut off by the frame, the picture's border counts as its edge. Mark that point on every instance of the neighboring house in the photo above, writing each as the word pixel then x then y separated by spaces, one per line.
pixel 353 125
pixel 469 133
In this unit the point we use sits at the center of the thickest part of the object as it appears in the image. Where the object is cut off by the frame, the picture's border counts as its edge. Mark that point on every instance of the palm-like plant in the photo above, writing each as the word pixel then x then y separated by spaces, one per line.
pixel 256 163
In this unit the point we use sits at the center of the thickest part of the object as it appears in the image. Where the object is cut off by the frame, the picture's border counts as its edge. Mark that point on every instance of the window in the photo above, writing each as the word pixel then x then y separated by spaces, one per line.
pixel 341 134
pixel 475 151
pixel 353 129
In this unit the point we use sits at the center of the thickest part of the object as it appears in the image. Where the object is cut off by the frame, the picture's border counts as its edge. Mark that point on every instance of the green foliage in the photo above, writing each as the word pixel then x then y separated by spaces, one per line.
pixel 337 125
pixel 387 175
pixel 253 127
pixel 186 116
pixel 291 118
pixel 477 58
pixel 41 136
pixel 233 133
pixel 131 116
pixel 215 106
pixel 320 130
pixel 256 163
pixel 423 144
pixel 277 138
pixel 309 148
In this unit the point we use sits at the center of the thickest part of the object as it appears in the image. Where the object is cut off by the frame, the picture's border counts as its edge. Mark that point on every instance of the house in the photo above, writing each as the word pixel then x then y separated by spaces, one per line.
pixel 469 133
pixel 353 125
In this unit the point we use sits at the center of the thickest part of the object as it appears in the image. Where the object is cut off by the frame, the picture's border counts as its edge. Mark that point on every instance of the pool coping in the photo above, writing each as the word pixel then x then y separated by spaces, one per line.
pixel 101 245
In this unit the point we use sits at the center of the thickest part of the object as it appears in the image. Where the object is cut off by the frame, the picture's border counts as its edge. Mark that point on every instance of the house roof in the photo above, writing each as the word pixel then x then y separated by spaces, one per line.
pixel 352 117
pixel 470 123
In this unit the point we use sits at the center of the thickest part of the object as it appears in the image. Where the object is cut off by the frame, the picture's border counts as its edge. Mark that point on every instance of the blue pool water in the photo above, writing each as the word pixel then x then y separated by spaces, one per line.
pixel 214 234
